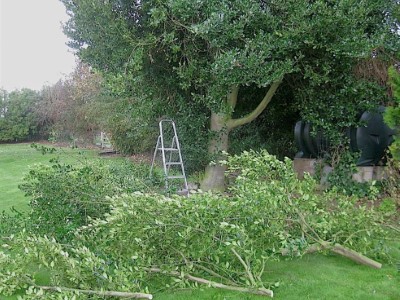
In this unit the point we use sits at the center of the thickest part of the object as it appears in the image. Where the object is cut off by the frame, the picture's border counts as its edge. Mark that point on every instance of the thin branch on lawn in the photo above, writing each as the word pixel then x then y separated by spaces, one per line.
pixel 259 291
pixel 98 293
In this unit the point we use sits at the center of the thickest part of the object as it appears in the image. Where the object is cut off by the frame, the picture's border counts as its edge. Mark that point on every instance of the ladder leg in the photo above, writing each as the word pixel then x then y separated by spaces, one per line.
pixel 154 156
pixel 170 153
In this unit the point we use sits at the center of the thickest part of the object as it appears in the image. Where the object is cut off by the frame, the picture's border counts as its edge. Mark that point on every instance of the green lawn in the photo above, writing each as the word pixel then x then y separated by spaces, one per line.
pixel 316 277
pixel 311 277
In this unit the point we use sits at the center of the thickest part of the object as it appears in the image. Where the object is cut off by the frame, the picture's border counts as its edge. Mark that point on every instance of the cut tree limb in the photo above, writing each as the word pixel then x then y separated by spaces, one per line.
pixel 246 267
pixel 98 293
pixel 341 250
pixel 259 291
pixel 355 256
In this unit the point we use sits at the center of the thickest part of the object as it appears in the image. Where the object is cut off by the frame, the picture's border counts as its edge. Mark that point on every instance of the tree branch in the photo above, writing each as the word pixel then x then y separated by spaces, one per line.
pixel 233 96
pixel 258 110
pixel 246 267
pixel 341 250
pixel 98 293
pixel 260 291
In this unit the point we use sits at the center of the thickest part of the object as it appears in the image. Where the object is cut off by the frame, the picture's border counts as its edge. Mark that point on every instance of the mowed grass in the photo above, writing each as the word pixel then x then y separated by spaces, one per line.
pixel 311 277
pixel 314 277
pixel 15 160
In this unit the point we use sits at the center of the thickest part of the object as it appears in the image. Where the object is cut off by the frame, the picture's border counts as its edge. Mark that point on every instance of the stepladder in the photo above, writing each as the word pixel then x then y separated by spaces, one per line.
pixel 169 149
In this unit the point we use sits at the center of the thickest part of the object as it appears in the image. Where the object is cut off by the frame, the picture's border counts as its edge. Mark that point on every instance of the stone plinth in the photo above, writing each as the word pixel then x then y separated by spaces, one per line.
pixel 305 165
pixel 370 173
pixel 364 174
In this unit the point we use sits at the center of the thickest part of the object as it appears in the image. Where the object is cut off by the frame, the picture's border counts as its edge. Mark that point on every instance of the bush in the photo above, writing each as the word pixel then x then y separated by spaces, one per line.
pixel 301 215
pixel 65 197
pixel 11 223
pixel 132 127
pixel 392 114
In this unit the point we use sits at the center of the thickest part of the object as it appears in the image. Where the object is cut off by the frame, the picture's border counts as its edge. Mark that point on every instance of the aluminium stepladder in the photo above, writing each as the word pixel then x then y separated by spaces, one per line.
pixel 168 131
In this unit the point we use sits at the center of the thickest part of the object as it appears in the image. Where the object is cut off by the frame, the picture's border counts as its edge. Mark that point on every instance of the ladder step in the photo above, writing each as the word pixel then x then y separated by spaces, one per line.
pixel 173 163
pixel 176 177
pixel 168 149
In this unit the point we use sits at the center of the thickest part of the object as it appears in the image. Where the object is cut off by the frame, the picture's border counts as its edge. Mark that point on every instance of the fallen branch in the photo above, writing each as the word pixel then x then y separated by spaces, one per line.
pixel 259 291
pixel 246 267
pixel 355 256
pixel 98 293
pixel 341 250
pixel 212 273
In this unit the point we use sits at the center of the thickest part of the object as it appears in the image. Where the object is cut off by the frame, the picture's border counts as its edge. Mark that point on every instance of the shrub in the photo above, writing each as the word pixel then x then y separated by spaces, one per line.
pixel 11 223
pixel 64 197
pixel 392 114
pixel 302 215
pixel 131 125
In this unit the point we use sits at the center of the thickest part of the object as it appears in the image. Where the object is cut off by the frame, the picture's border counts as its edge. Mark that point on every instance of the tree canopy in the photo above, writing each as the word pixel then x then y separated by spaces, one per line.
pixel 205 52
pixel 18 121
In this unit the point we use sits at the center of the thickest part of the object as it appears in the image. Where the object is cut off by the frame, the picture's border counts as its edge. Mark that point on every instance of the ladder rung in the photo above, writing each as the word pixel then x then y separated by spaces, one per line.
pixel 173 163
pixel 176 177
pixel 168 149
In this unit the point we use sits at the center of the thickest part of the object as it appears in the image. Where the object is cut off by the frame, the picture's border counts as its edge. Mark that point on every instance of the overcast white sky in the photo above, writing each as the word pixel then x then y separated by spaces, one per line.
pixel 32 45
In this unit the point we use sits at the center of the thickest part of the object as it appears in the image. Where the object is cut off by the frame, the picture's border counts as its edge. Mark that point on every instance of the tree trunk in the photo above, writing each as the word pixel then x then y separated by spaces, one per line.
pixel 221 125
pixel 214 178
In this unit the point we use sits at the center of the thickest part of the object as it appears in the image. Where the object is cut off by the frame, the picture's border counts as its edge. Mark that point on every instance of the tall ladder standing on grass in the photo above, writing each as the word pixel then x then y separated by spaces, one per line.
pixel 168 131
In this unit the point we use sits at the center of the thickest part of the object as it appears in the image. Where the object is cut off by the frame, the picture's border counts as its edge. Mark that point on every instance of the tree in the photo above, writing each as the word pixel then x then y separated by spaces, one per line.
pixel 18 120
pixel 67 108
pixel 205 52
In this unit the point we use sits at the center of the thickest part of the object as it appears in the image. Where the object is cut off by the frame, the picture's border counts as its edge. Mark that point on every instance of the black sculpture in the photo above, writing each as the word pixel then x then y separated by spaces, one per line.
pixel 371 138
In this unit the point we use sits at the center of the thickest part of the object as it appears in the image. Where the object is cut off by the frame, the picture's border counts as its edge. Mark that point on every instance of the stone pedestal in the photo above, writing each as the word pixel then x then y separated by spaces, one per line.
pixel 370 173
pixel 305 165
pixel 364 174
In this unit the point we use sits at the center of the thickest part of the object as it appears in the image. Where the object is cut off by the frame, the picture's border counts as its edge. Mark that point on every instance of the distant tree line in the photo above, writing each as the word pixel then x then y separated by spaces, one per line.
pixel 62 111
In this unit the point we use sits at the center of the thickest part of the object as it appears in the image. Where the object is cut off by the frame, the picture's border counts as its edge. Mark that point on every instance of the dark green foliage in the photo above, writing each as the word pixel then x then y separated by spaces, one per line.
pixel 337 104
pixel 193 132
pixel 11 222
pixel 64 197
pixel 18 121
pixel 132 125
pixel 273 130
pixel 185 53
pixel 341 179
pixel 392 114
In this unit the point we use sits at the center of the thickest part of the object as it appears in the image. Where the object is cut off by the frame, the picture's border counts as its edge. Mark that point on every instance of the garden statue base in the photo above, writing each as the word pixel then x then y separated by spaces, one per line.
pixel 311 165
pixel 306 165
pixel 370 173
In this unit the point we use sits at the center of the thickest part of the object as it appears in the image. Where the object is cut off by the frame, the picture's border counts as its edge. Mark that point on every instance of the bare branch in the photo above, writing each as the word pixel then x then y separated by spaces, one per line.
pixel 260 291
pixel 258 110
pixel 98 293
pixel 233 96
pixel 246 267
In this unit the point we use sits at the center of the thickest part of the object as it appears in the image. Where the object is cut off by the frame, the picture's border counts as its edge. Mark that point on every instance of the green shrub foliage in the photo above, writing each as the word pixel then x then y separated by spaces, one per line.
pixel 229 237
pixel 64 197
pixel 18 121
pixel 132 125
pixel 392 114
